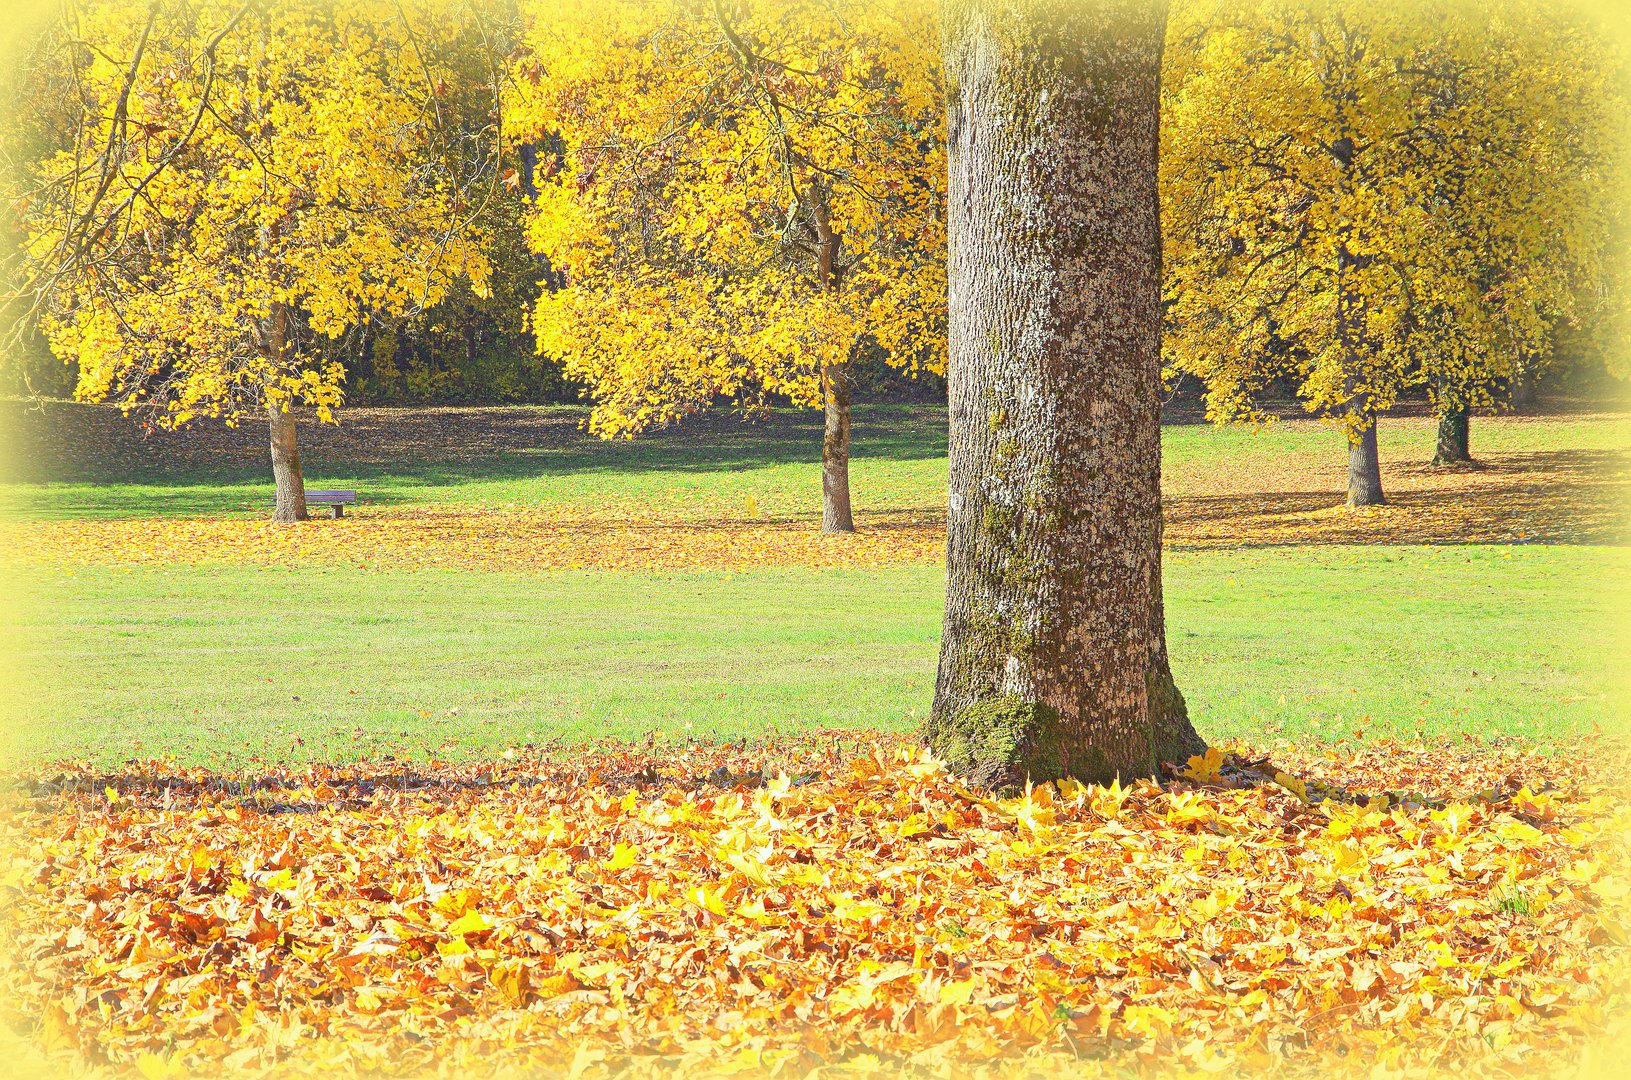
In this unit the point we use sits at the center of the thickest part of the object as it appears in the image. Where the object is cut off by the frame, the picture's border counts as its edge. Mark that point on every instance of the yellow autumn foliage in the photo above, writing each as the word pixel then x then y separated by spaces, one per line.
pixel 1363 198
pixel 267 175
pixel 704 153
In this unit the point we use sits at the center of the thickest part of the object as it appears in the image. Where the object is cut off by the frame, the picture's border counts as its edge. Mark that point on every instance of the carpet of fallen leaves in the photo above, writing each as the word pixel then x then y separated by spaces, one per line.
pixel 837 903
pixel 476 539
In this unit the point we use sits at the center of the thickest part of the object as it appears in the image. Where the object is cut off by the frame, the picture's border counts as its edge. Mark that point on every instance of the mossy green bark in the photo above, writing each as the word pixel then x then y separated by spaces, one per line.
pixel 1001 742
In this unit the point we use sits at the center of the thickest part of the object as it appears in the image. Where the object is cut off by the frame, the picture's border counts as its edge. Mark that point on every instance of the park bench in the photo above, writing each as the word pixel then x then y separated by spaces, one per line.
pixel 336 501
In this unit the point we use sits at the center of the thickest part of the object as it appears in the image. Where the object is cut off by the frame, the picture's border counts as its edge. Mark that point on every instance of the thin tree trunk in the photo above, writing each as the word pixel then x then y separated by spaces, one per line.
pixel 1522 383
pixel 1053 662
pixel 291 487
pixel 835 508
pixel 1364 463
pixel 1454 438
pixel 835 380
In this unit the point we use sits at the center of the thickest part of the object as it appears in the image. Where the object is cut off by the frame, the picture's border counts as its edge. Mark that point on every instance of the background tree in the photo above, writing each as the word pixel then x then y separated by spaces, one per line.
pixel 1292 210
pixel 240 181
pixel 1054 659
pixel 1368 199
pixel 1520 122
pixel 475 346
pixel 749 194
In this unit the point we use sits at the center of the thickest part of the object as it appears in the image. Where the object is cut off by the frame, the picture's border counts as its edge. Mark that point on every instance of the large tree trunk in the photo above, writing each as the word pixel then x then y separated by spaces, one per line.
pixel 1054 661
pixel 1364 463
pixel 291 487
pixel 1454 438
pixel 835 511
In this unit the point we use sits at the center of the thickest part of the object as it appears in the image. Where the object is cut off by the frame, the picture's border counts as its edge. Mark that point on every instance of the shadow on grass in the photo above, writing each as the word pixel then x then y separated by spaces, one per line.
pixel 610 768
pixel 210 469
pixel 67 442
pixel 1541 497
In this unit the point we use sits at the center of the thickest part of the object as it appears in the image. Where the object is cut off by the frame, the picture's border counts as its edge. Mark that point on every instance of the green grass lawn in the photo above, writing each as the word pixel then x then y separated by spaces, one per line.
pixel 1294 642
pixel 214 663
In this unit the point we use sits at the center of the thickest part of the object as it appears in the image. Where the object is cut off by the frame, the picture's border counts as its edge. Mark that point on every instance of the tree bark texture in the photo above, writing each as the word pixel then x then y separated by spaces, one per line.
pixel 1364 463
pixel 1053 661
pixel 835 508
pixel 1454 438
pixel 291 487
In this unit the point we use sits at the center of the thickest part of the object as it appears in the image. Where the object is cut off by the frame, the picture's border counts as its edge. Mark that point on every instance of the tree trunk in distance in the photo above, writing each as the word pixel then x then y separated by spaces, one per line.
pixel 1454 438
pixel 1364 463
pixel 1522 384
pixel 835 508
pixel 835 378
pixel 1054 662
pixel 291 488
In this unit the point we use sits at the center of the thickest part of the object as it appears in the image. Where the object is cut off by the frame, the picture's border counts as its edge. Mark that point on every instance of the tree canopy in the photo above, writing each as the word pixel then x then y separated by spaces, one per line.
pixel 270 176
pixel 1361 200
pixel 744 197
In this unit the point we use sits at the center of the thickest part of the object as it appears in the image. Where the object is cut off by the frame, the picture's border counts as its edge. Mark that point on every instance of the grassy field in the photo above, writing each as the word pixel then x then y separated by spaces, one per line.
pixel 1282 624
pixel 209 664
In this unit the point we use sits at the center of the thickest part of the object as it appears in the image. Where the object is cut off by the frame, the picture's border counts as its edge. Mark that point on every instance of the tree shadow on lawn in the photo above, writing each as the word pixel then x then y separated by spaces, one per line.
pixel 1543 497
pixel 616 767
pixel 63 442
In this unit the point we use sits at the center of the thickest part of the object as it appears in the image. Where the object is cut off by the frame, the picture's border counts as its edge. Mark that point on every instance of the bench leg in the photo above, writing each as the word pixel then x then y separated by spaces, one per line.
pixel 339 511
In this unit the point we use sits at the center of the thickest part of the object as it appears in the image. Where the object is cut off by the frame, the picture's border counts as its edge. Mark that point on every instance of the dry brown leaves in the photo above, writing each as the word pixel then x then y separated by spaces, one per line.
pixel 1553 493
pixel 462 538
pixel 783 910
pixel 1572 497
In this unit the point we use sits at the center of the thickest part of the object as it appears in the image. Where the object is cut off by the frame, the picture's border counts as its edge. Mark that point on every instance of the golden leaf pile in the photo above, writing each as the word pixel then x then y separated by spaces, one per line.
pixel 461 538
pixel 801 906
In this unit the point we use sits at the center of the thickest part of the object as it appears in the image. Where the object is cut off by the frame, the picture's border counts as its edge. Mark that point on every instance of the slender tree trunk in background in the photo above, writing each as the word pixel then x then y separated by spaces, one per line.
pixel 1053 661
pixel 291 487
pixel 1454 438
pixel 835 380
pixel 835 509
pixel 1522 384
pixel 1364 464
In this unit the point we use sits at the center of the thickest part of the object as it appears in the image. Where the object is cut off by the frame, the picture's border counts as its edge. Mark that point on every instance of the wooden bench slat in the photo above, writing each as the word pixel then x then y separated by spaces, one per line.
pixel 331 496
